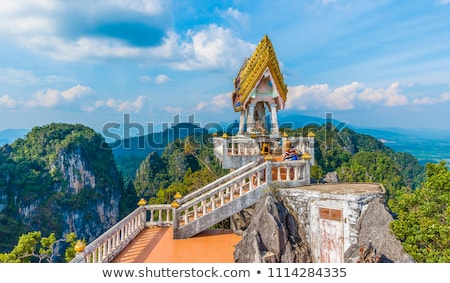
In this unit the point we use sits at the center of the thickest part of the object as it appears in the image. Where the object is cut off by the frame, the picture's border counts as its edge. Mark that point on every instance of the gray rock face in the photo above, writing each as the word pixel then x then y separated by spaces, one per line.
pixel 273 235
pixel 241 220
pixel 331 177
pixel 374 231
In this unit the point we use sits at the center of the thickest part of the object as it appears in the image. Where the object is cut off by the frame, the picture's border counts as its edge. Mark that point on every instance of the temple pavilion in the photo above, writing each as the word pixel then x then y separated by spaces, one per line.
pixel 259 93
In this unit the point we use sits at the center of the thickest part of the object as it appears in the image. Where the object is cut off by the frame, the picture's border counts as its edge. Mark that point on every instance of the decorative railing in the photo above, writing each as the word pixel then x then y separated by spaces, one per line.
pixel 195 205
pixel 219 195
pixel 230 176
pixel 106 247
pixel 269 173
pixel 235 146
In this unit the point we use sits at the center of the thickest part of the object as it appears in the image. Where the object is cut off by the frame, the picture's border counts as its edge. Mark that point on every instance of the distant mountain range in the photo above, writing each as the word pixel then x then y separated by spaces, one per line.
pixel 427 145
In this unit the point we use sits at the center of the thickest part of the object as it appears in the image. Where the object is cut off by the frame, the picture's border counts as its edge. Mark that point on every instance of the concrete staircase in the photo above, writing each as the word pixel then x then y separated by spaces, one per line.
pixel 201 209
pixel 233 193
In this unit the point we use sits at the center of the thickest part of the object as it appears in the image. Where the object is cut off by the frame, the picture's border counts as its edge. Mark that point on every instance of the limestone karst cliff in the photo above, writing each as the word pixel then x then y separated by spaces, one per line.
pixel 59 178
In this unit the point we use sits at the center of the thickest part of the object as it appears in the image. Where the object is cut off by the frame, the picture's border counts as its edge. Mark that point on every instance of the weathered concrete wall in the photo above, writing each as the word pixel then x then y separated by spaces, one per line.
pixel 330 214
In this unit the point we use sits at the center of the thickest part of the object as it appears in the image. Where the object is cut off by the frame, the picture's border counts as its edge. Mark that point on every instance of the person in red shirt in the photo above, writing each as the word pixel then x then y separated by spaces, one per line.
pixel 289 154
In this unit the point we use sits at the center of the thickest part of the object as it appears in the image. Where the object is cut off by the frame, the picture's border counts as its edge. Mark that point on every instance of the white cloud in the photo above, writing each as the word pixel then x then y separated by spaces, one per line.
pixel 222 100
pixel 142 6
pixel 342 98
pixel 213 48
pixel 7 102
pixel 445 97
pixel 217 103
pixel 76 92
pixel 119 105
pixel 50 98
pixel 240 17
pixel 303 97
pixel 159 79
pixel 70 30
pixel 74 30
pixel 45 98
pixel 17 76
pixel 201 106
pixel 390 96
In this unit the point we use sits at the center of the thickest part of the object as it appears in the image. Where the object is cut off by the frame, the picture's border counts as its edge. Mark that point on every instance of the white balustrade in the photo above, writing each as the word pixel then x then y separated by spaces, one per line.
pixel 112 242
pixel 192 206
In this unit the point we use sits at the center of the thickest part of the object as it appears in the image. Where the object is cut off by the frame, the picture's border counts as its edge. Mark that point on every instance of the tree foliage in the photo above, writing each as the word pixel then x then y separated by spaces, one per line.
pixel 32 247
pixel 423 217
pixel 34 181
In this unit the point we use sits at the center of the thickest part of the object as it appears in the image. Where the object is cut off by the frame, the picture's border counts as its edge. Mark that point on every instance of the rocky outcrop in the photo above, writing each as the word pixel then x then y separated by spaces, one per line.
pixel 374 232
pixel 240 221
pixel 273 235
pixel 331 177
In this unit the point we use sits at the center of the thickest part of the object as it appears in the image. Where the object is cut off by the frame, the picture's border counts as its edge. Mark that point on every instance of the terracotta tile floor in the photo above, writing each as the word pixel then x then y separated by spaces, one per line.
pixel 157 245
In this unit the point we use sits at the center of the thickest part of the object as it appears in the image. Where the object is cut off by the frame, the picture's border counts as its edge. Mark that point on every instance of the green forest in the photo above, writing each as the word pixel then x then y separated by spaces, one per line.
pixel 418 196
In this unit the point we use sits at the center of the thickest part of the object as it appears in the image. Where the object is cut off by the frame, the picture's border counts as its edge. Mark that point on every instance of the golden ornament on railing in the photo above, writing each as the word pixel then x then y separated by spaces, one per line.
pixel 214 134
pixel 79 246
pixel 268 157
pixel 175 204
pixel 311 135
pixel 306 156
pixel 142 202
pixel 224 135
pixel 177 195
pixel 285 135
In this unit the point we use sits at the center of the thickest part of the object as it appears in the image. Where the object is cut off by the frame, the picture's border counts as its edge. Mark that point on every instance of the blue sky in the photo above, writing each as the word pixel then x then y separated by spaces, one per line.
pixel 370 63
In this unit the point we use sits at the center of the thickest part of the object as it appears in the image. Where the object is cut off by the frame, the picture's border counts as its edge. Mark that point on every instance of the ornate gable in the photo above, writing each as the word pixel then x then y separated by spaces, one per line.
pixel 263 59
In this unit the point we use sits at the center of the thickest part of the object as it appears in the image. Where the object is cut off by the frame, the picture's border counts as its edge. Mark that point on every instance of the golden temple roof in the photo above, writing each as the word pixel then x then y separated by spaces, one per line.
pixel 251 71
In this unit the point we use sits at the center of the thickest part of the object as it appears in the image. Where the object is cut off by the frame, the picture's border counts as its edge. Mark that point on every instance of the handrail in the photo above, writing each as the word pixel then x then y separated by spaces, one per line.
pixel 110 243
pixel 249 177
pixel 218 188
pixel 292 172
pixel 215 183
pixel 106 247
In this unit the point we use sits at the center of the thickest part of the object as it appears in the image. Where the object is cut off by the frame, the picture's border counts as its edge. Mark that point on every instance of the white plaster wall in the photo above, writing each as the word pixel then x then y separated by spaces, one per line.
pixel 306 204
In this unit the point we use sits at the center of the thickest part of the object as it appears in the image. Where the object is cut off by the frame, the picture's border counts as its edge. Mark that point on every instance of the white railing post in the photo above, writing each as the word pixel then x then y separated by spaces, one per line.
pixel 268 172
pixel 222 201
pixel 186 216
pixel 213 202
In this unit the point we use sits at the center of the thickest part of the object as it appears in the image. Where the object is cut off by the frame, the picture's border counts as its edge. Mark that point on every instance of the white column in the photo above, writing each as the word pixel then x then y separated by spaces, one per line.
pixel 241 122
pixel 250 119
pixel 274 119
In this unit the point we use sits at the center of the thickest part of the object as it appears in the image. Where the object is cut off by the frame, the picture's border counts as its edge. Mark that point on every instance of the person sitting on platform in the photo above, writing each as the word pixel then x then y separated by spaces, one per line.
pixel 290 154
